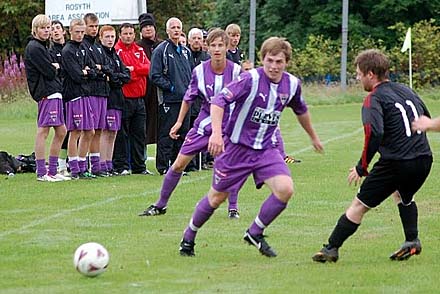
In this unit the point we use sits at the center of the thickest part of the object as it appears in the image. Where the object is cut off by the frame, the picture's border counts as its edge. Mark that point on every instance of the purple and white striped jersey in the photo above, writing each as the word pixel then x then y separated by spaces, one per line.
pixel 206 84
pixel 258 107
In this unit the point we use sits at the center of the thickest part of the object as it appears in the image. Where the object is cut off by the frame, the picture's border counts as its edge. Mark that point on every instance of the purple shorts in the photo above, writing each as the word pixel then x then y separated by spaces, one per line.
pixel 194 143
pixel 237 162
pixel 99 110
pixel 113 120
pixel 50 113
pixel 79 116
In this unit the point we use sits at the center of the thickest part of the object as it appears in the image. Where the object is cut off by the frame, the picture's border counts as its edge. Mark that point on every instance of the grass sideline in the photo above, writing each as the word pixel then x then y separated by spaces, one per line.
pixel 43 223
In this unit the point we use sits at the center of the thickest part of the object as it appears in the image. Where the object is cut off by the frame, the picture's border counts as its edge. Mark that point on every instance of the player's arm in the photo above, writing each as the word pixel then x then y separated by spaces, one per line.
pixel 216 144
pixel 372 118
pixel 425 123
pixel 191 95
pixel 42 62
pixel 306 123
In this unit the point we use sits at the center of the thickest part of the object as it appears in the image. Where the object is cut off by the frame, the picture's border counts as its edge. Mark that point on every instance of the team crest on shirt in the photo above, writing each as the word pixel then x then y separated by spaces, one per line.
pixel 166 109
pixel 283 98
pixel 111 120
pixel 137 54
pixel 228 94
pixel 261 116
pixel 77 118
pixel 53 115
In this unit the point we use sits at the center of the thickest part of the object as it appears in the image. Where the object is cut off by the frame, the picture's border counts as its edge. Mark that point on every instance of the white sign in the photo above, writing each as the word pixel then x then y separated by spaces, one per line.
pixel 107 11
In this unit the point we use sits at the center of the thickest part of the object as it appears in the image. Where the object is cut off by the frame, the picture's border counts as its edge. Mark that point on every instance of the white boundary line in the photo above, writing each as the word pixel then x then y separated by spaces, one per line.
pixel 113 199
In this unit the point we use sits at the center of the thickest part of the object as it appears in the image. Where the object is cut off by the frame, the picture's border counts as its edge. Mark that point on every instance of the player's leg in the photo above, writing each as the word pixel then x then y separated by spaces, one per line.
pixel 412 175
pixel 194 144
pixel 377 186
pixel 203 211
pixel 40 156
pixel 54 151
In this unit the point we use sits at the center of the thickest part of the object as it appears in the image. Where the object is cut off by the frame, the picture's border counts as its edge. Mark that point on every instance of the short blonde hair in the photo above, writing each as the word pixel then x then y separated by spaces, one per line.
pixel 76 22
pixel 275 45
pixel 233 29
pixel 41 20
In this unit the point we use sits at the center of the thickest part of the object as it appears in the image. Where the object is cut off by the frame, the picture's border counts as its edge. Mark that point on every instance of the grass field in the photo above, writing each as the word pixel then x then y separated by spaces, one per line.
pixel 43 223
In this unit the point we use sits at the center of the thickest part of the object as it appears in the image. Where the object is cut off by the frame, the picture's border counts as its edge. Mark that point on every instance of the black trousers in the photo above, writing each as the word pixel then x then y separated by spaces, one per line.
pixel 129 150
pixel 167 148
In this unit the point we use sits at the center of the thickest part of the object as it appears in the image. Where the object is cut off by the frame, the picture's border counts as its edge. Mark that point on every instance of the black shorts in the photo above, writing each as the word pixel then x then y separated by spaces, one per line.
pixel 388 176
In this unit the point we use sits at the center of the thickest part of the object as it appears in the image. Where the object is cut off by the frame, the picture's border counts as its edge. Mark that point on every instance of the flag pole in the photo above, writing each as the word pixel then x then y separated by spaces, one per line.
pixel 410 68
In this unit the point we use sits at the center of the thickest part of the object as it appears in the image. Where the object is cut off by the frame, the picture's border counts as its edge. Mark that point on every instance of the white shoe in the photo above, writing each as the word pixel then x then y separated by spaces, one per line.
pixel 64 172
pixel 125 173
pixel 62 177
pixel 48 178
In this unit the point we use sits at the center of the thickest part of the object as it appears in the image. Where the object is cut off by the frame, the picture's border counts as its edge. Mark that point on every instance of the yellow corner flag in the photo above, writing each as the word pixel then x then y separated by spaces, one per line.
pixel 407 43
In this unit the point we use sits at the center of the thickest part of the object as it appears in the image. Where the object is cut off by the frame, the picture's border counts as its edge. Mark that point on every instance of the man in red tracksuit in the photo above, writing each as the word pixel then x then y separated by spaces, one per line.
pixel 129 153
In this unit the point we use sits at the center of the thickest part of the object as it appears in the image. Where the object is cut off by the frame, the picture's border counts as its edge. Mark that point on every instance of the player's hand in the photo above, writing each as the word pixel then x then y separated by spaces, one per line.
pixel 216 145
pixel 318 145
pixel 56 65
pixel 423 123
pixel 353 177
pixel 173 132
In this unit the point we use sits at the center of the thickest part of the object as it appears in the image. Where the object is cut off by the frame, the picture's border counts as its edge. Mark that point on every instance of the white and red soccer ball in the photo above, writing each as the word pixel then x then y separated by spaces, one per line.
pixel 91 259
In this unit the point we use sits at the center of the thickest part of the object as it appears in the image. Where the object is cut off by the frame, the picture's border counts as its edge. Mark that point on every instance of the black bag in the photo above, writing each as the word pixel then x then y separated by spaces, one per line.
pixel 27 163
pixel 8 164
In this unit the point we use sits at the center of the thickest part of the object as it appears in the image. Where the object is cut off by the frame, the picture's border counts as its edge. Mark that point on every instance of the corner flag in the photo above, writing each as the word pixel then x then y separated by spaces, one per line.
pixel 407 42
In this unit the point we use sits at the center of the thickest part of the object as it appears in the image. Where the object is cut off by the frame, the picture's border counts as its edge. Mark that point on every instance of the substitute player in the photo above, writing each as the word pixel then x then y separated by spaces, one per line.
pixel 405 157
pixel 45 88
pixel 260 95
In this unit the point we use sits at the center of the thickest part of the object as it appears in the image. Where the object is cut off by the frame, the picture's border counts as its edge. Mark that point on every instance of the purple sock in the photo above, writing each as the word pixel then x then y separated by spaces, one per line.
pixel 109 164
pixel 201 215
pixel 82 165
pixel 53 163
pixel 94 161
pixel 270 209
pixel 74 166
pixel 170 182
pixel 41 167
pixel 103 166
pixel 232 199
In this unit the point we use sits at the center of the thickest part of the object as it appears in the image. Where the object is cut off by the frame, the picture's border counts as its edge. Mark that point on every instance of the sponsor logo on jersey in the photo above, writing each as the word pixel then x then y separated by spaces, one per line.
pixel 228 94
pixel 261 116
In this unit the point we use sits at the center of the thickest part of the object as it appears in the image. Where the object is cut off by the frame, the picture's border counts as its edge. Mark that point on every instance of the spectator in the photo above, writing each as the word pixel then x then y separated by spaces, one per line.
pixel 234 53
pixel 171 73
pixel 129 151
pixel 149 40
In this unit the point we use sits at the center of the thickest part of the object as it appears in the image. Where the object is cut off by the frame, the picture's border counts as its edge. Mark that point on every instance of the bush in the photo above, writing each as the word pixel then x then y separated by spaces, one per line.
pixel 12 79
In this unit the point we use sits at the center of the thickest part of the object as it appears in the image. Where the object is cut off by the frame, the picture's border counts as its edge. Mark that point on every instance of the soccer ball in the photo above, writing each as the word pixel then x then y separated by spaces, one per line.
pixel 91 259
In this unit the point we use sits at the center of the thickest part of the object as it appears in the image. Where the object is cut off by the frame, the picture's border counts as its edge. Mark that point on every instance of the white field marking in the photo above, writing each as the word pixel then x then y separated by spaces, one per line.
pixel 329 140
pixel 79 208
pixel 113 199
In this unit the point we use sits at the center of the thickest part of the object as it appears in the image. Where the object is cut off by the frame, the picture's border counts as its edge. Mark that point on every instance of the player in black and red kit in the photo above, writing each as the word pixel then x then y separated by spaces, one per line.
pixel 405 157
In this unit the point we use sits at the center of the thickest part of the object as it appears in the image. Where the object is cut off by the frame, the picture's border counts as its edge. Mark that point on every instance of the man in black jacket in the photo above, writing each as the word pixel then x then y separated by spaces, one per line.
pixel 45 88
pixel 79 117
pixel 171 73
pixel 99 88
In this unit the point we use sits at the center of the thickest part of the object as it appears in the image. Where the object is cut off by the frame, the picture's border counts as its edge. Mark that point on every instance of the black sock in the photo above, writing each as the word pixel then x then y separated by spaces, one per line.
pixel 344 229
pixel 409 216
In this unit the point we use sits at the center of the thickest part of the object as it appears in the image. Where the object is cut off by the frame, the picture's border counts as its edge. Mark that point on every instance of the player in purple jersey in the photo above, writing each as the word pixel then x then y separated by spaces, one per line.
pixel 405 157
pixel 260 95
pixel 207 80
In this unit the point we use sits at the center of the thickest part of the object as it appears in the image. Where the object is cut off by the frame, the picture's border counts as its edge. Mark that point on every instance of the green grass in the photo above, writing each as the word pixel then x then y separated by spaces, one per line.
pixel 43 223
